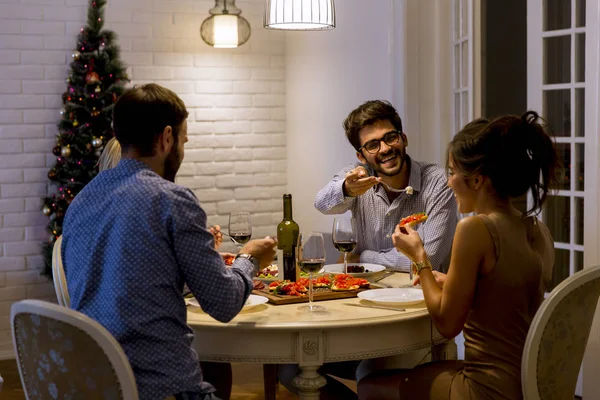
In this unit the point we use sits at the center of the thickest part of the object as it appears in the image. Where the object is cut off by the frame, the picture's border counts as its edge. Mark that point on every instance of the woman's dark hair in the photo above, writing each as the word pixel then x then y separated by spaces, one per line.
pixel 515 152
pixel 367 114
pixel 142 113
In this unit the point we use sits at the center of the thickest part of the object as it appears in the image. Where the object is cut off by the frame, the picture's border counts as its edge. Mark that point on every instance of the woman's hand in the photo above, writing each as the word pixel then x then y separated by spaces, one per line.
pixel 216 232
pixel 407 241
pixel 440 278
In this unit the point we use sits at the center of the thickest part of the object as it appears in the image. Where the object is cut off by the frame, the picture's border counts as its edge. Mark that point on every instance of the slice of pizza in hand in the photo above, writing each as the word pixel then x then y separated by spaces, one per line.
pixel 413 219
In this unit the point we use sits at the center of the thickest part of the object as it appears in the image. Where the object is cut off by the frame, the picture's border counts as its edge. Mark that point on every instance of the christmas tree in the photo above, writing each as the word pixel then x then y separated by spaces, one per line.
pixel 96 79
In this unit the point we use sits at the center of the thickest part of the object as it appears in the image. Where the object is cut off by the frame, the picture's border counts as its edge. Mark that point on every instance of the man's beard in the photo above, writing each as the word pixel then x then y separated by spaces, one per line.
pixel 172 164
pixel 381 171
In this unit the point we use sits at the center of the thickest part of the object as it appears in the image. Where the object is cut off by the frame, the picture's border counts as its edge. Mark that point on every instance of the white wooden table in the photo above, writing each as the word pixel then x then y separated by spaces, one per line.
pixel 283 334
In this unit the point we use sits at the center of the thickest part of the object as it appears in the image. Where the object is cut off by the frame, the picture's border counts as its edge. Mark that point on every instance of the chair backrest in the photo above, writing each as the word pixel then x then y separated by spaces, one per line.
pixel 558 336
pixel 58 275
pixel 62 353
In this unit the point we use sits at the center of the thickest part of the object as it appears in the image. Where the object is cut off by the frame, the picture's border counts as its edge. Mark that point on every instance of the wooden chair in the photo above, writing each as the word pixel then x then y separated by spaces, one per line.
pixel 558 336
pixel 58 276
pixel 62 353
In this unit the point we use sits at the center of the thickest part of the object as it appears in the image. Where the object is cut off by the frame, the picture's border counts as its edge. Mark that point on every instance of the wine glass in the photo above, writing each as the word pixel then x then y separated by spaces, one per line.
pixel 344 237
pixel 240 227
pixel 311 258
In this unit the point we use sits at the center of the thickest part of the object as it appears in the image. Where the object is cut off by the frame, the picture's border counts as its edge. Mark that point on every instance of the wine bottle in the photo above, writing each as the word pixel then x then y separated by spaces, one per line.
pixel 287 240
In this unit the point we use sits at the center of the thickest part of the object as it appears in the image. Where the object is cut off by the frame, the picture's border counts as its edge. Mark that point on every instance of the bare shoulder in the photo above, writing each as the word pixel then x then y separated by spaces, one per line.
pixel 473 231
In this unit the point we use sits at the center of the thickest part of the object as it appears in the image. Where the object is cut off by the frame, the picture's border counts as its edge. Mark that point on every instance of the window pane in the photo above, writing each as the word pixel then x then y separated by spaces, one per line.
pixel 580 112
pixel 578 261
pixel 457 68
pixel 557 14
pixel 579 220
pixel 464 17
pixel 580 13
pixel 557 111
pixel 580 57
pixel 464 82
pixel 561 267
pixel 457 122
pixel 456 19
pixel 556 216
pixel 557 59
pixel 465 109
pixel 579 166
pixel 564 174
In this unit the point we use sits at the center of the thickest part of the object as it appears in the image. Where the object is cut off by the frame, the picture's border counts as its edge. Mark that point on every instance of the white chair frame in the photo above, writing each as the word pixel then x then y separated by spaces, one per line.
pixel 58 276
pixel 97 332
pixel 534 336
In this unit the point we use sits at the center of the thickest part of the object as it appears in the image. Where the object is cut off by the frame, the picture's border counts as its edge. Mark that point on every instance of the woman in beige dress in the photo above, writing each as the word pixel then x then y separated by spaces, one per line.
pixel 500 267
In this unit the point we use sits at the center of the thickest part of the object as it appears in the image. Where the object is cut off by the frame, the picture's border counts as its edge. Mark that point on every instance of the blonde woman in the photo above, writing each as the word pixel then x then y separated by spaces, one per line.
pixel 111 155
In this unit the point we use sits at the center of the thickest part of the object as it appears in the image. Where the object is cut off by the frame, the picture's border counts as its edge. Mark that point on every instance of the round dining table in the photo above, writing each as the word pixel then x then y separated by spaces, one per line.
pixel 347 329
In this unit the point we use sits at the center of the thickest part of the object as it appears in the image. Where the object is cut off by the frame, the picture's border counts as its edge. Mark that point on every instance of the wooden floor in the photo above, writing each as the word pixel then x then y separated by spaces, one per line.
pixel 247 383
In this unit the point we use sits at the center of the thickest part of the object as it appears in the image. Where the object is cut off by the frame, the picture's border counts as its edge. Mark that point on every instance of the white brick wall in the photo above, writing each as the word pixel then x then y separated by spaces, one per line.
pixel 235 159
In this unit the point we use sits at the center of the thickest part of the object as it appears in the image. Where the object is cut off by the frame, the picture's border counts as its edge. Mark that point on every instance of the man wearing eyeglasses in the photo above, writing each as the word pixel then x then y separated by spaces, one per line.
pixel 375 130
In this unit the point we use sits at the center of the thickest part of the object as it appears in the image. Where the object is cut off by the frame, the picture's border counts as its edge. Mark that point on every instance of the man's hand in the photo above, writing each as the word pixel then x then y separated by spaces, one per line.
pixel 440 278
pixel 358 181
pixel 216 232
pixel 262 249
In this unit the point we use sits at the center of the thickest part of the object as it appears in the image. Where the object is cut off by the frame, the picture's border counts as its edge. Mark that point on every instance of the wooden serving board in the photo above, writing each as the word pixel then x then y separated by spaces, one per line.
pixel 318 295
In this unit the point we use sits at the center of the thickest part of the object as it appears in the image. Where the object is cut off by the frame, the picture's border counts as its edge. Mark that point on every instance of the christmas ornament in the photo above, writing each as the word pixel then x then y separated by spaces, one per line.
pixel 75 123
pixel 56 151
pixel 46 210
pixel 95 113
pixel 76 55
pixel 98 153
pixel 52 174
pixel 98 89
pixel 97 142
pixel 63 111
pixel 92 77
pixel 114 97
pixel 65 151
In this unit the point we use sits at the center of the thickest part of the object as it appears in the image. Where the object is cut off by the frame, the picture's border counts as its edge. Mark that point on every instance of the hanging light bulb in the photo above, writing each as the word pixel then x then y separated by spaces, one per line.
pixel 299 15
pixel 225 28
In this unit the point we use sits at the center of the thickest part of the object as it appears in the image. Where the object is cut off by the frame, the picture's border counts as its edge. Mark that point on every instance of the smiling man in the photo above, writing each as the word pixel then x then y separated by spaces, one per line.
pixel 375 130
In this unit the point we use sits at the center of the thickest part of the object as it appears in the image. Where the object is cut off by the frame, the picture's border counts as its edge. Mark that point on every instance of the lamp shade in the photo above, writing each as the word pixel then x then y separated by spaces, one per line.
pixel 225 28
pixel 299 14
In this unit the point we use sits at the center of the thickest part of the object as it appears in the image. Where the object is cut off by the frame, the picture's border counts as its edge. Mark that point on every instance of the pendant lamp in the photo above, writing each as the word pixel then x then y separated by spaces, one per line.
pixel 225 28
pixel 299 15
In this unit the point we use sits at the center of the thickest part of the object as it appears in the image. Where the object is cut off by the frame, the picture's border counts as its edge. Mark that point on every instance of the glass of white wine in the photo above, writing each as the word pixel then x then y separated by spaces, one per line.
pixel 311 258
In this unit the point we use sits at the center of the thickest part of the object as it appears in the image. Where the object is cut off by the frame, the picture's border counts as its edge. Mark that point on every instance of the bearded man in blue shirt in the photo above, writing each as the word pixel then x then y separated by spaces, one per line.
pixel 133 238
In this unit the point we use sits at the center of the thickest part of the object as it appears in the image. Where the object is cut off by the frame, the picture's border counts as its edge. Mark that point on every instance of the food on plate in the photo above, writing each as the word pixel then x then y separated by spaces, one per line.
pixel 339 282
pixel 269 272
pixel 289 288
pixel 228 259
pixel 413 219
pixel 356 269
pixel 258 285
pixel 322 281
pixel 344 282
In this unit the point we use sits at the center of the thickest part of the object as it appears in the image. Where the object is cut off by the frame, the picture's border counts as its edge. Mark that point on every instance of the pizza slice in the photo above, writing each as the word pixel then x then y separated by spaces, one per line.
pixel 413 219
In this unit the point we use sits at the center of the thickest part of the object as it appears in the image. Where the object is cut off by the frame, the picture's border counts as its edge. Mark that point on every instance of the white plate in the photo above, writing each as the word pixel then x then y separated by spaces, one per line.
pixel 393 296
pixel 253 301
pixel 339 269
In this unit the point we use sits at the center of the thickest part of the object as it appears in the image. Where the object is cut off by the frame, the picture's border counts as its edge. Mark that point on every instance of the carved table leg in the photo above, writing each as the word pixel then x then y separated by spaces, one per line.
pixel 309 382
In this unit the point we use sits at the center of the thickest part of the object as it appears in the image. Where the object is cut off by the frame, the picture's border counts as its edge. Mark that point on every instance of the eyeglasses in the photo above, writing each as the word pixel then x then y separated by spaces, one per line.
pixel 373 146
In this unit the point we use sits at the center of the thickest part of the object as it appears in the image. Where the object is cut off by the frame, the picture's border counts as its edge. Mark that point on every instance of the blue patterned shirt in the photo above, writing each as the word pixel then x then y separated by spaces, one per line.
pixel 131 240
pixel 376 218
